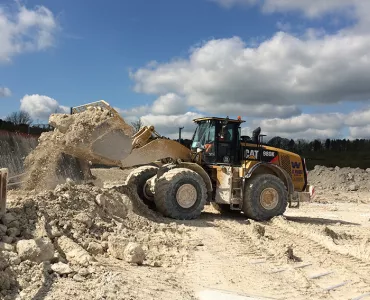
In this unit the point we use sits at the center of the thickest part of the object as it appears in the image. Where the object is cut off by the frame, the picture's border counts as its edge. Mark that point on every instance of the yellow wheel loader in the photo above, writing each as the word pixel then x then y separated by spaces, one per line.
pixel 234 173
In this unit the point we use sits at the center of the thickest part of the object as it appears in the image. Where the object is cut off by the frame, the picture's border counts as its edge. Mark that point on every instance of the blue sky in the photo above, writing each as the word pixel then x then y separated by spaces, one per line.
pixel 91 47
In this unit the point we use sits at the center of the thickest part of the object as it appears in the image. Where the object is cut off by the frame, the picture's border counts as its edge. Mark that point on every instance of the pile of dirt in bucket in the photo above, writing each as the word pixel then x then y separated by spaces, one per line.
pixel 73 135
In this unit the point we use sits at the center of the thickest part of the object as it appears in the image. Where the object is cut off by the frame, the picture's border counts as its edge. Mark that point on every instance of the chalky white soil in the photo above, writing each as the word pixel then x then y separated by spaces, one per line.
pixel 99 242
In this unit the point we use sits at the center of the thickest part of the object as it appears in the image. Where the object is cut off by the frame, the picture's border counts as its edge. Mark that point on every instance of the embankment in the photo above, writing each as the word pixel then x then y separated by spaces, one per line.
pixel 14 147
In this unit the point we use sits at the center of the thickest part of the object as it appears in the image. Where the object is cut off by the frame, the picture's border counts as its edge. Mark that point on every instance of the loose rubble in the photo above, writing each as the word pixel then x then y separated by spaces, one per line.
pixel 69 231
pixel 340 179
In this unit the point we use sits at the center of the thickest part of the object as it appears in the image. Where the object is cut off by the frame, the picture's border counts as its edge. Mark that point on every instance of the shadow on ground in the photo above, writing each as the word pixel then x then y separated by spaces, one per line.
pixel 322 221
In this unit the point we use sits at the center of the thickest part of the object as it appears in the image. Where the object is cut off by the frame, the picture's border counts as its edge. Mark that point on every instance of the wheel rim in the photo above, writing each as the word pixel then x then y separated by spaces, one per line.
pixel 269 198
pixel 147 192
pixel 186 195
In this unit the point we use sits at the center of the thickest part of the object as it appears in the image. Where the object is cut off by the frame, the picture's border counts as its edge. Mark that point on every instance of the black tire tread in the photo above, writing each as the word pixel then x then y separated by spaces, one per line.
pixel 138 172
pixel 134 177
pixel 163 186
pixel 249 207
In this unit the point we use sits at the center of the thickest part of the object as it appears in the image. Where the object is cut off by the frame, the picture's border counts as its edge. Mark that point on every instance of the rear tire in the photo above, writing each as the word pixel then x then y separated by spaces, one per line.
pixel 180 194
pixel 138 177
pixel 265 197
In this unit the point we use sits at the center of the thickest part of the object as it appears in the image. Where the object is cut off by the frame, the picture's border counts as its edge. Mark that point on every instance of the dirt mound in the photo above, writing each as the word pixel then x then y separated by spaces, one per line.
pixel 73 135
pixel 343 179
pixel 69 231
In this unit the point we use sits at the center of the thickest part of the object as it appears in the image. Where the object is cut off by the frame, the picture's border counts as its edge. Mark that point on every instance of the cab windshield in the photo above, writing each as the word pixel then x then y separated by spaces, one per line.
pixel 204 134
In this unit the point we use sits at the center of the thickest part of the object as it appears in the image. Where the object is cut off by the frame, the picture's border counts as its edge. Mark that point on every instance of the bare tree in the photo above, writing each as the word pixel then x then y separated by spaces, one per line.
pixel 19 117
pixel 137 125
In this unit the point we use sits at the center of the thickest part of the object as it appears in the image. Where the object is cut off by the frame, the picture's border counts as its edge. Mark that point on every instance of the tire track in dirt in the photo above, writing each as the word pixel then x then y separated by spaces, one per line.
pixel 324 256
pixel 233 259
pixel 292 282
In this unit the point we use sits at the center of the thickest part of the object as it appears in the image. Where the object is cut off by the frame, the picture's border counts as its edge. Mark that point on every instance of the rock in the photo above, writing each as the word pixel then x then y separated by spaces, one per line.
pixel 6 247
pixel 37 250
pixel 74 252
pixel 100 200
pixel 84 272
pixel 7 239
pixel 12 257
pixel 134 253
pixel 336 168
pixel 104 236
pixel 78 278
pixel 95 248
pixel 55 232
pixel 105 245
pixel 84 219
pixel 116 246
pixel 14 224
pixel 258 230
pixel 13 232
pixel 368 170
pixel 353 187
pixel 157 264
pixel 114 205
pixel 61 268
pixel 3 230
pixel 8 218
pixel 70 182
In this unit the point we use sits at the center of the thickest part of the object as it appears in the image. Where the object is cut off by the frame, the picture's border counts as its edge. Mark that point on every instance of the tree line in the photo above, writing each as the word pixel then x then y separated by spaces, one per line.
pixel 21 122
pixel 327 152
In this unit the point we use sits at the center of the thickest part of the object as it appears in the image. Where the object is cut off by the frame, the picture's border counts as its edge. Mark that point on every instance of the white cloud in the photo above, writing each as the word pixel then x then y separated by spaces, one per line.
pixel 310 8
pixel 312 126
pixel 272 79
pixel 5 92
pixel 300 123
pixel 282 71
pixel 25 30
pixel 169 104
pixel 359 132
pixel 40 107
pixel 168 125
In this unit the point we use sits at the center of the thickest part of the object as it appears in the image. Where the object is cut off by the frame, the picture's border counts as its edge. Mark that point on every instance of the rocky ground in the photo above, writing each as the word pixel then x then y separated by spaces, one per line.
pixel 97 241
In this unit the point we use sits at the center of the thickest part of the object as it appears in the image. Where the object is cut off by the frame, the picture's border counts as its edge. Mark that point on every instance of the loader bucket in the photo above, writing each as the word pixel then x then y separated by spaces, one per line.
pixel 95 135
pixel 156 150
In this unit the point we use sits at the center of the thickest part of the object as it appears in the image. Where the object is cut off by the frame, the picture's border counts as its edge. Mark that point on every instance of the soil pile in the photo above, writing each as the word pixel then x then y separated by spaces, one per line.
pixel 69 231
pixel 343 179
pixel 73 135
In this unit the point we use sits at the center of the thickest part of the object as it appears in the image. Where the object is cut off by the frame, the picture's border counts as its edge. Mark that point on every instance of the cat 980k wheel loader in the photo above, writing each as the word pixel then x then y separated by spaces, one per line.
pixel 222 168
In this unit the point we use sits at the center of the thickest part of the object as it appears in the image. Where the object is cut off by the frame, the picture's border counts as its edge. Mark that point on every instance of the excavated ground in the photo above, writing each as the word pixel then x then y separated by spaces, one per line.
pixel 96 241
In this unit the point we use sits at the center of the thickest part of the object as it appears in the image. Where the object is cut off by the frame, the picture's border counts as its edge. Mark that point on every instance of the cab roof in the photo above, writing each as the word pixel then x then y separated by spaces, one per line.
pixel 218 119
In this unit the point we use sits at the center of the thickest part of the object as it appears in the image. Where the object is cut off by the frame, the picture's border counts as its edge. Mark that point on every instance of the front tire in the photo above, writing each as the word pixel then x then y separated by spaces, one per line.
pixel 138 177
pixel 265 197
pixel 180 194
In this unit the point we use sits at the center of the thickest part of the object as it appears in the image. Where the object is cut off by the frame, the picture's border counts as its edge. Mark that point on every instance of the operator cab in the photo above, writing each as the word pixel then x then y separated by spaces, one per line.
pixel 218 139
